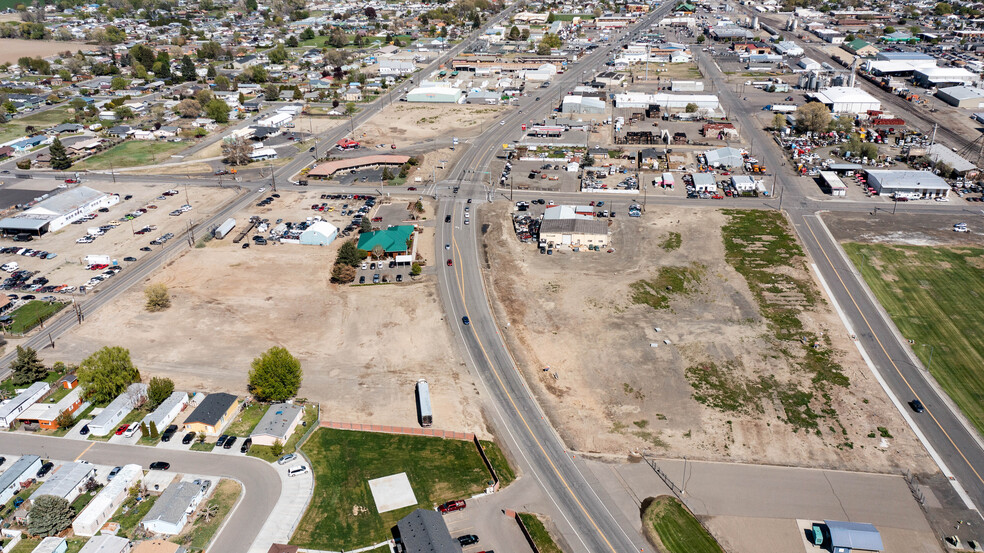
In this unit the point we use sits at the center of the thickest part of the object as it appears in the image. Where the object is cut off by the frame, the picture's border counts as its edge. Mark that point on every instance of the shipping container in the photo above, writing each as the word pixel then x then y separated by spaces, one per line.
pixel 225 228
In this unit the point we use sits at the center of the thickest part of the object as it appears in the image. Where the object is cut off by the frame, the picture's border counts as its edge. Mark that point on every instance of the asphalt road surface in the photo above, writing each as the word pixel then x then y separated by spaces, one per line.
pixel 261 484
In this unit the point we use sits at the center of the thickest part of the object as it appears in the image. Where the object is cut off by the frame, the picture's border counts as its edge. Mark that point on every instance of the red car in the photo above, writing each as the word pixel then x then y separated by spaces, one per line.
pixel 411 188
pixel 449 263
pixel 392 146
pixel 452 506
pixel 717 197
pixel 122 429
pixel 71 181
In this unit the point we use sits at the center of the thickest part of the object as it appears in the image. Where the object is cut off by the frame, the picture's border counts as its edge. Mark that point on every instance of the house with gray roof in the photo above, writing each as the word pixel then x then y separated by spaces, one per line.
pixel 67 482
pixel 172 509
pixel 424 531
pixel 278 423
pixel 22 469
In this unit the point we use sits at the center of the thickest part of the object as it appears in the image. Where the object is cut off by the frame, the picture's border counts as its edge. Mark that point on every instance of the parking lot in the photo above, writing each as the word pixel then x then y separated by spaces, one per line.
pixel 368 177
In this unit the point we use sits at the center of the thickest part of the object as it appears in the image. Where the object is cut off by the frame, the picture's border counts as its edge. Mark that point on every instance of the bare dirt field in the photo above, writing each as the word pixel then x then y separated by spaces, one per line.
pixel 362 348
pixel 715 383
pixel 403 123
pixel 905 229
pixel 12 49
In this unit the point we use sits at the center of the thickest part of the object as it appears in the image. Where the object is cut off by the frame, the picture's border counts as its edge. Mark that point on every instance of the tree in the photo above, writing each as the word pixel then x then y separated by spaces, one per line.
pixel 691 108
pixel 271 92
pixel 378 251
pixel 514 33
pixel 49 515
pixel 218 110
pixel 278 54
pixel 27 368
pixel 275 376
pixel 158 390
pixel 419 206
pixel 277 448
pixel 208 512
pixel 162 67
pixel 700 39
pixel 222 82
pixel 292 41
pixel 106 373
pixel 778 121
pixel 387 174
pixel 188 69
pixel 337 38
pixel 237 151
pixel 188 108
pixel 157 297
pixel 118 83
pixel 889 30
pixel 154 433
pixel 588 160
pixel 415 269
pixel 144 431
pixel 65 419
pixel 307 34
pixel 202 436
pixel 943 8
pixel 342 274
pixel 350 108
pixel 543 49
pixel 812 117
pixel 370 12
pixel 123 113
pixel 348 254
pixel 551 18
pixel 366 226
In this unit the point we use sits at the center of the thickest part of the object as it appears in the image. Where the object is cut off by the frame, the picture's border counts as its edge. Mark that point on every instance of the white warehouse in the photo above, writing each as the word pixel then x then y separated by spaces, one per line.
pixel 58 211
pixel 666 101
pixel 846 99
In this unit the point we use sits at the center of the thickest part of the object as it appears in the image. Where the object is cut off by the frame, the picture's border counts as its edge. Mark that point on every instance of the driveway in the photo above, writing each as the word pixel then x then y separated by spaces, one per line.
pixel 295 494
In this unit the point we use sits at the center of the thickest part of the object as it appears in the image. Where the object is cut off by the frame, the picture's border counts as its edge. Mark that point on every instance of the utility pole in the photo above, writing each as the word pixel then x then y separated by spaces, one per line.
pixel 112 171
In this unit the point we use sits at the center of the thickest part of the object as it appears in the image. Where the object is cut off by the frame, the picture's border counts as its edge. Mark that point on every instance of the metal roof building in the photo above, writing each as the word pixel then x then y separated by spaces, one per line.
pixel 106 421
pixel 320 233
pixel 58 211
pixel 67 482
pixel 12 409
pixel 424 531
pixel 98 511
pixel 106 544
pixel 938 152
pixel 724 157
pixel 962 96
pixel 170 513
pixel 10 480
pixel 846 99
pixel 167 410
pixel 278 423
pixel 913 184
pixel 853 536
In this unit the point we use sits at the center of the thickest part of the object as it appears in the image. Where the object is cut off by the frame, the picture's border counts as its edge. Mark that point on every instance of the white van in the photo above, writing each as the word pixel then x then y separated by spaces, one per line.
pixel 296 471
pixel 9 267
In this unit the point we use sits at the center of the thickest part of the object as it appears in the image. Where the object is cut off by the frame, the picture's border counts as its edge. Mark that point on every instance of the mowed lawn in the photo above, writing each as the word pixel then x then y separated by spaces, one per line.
pixel 934 296
pixel 133 153
pixel 342 514
pixel 675 530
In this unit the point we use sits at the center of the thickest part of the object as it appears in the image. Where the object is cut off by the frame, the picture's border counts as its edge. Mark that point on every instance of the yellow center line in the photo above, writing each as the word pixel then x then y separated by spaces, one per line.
pixel 461 290
pixel 84 452
pixel 889 357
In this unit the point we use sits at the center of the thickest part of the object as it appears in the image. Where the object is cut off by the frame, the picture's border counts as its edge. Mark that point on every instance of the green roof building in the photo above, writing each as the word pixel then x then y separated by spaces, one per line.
pixel 393 240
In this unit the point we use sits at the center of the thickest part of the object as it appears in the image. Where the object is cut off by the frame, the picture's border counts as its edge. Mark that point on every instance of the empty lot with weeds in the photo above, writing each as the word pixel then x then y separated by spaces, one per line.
pixel 704 334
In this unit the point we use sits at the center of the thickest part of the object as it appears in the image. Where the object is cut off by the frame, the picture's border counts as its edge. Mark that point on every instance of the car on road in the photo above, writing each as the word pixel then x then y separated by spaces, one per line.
pixel 160 465
pixel 447 218
pixel 447 246
pixel 465 321
pixel 45 469
pixel 451 506
pixel 145 249
pixel 297 471
pixel 188 438
pixel 917 406
pixel 450 263
pixel 286 458
pixel 112 474
pixel 467 539
pixel 131 259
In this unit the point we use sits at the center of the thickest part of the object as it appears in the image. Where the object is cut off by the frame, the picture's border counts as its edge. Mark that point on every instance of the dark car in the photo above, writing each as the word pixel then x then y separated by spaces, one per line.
pixel 188 438
pixel 3 460
pixel 222 440
pixel 229 442
pixel 169 433
pixel 362 279
pixel 112 474
pixel 467 539
pixel 447 218
pixel 917 406
pixel 145 249
pixel 465 320
pixel 160 465
pixel 246 445
pixel 84 430
pixel 45 469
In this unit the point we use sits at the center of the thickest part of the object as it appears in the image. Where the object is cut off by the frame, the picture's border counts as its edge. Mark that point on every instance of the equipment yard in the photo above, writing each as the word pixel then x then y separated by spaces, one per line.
pixel 749 362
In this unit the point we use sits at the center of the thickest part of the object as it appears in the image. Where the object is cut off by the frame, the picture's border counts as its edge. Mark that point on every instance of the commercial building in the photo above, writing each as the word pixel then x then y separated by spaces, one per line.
pixel 212 414
pixel 424 531
pixel 788 48
pixel 847 537
pixel 704 182
pixel 562 225
pixel 15 407
pixel 170 512
pixel 435 95
pixel 58 211
pixel 106 544
pixel 724 157
pixel 582 104
pixel 276 119
pixel 22 469
pixel 963 167
pixel 67 482
pixel 107 501
pixel 833 183
pixel 962 96
pixel 392 240
pixel 910 184
pixel 846 99
pixel 277 424
pixel 167 411
pixel 861 48
pixel 320 233
pixel 670 102
pixel 105 422
pixel 944 77
pixel 45 415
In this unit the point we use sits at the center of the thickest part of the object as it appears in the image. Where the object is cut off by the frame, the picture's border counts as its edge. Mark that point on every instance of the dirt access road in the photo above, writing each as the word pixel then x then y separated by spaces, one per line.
pixel 362 348
pixel 608 390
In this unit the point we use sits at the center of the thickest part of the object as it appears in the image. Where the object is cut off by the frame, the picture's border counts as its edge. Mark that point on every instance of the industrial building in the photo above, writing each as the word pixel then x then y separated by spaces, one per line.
pixel 846 99
pixel 319 233
pixel 167 411
pixel 962 96
pixel 58 211
pixel 962 166
pixel 15 407
pixel 22 469
pixel 435 95
pixel 944 77
pixel 105 422
pixel 424 531
pixel 847 537
pixel 277 424
pixel 561 225
pixel 724 157
pixel 670 102
pixel 107 501
pixel 68 482
pixel 212 414
pixel 582 104
pixel 910 184
pixel 833 183
pixel 170 512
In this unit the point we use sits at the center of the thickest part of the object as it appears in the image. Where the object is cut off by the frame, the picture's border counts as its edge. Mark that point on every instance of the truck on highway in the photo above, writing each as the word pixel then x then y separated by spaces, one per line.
pixel 424 403
pixel 225 228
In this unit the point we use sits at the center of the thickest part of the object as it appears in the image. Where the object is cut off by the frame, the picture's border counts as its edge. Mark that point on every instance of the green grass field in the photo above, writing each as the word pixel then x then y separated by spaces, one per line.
pixel 342 514
pixel 539 533
pixel 32 313
pixel 225 496
pixel 28 545
pixel 131 513
pixel 933 295
pixel 499 463
pixel 247 420
pixel 45 119
pixel 132 153
pixel 673 529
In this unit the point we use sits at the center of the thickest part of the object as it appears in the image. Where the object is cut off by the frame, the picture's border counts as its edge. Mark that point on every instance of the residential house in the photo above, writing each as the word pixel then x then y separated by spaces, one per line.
pixel 104 543
pixel 13 408
pixel 107 501
pixel 68 482
pixel 171 511
pixel 105 422
pixel 23 468
pixel 45 415
pixel 352 94
pixel 277 424
pixel 212 414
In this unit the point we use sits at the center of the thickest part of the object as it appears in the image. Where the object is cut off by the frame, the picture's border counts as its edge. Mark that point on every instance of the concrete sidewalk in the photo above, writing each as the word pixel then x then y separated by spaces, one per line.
pixel 295 494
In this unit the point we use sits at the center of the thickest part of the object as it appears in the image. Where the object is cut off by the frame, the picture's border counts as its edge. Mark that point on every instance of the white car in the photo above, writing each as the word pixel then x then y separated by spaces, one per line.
pixel 261 189
pixel 942 199
pixel 297 471
pixel 961 229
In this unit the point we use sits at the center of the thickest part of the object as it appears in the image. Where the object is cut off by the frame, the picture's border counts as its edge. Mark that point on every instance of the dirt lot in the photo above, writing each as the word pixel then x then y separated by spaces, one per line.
pixel 404 123
pixel 911 230
pixel 68 268
pixel 609 390
pixel 362 347
pixel 12 49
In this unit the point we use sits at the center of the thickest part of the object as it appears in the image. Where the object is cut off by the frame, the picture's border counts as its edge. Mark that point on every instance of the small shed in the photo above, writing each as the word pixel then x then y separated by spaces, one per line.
pixel 846 537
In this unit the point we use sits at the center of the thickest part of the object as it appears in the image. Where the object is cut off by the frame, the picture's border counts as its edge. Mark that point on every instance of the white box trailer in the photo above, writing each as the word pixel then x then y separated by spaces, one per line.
pixel 222 230
pixel 97 259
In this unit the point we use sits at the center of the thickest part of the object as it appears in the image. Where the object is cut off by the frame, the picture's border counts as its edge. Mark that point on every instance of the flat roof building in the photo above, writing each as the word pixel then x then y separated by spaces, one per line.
pixel 58 211
pixel 962 96
pixel 107 501
pixel 21 402
pixel 833 183
pixel 435 94
pixel 67 482
pixel 846 99
pixel 167 411
pixel 106 544
pixel 106 421
pixel 22 469
pixel 846 537
pixel 944 77
pixel 575 231
pixel 911 184
pixel 278 423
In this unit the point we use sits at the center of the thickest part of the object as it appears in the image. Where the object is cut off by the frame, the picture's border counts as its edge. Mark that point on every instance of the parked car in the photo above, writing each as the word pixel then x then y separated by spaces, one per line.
pixel 169 433
pixel 160 465
pixel 84 430
pixel 188 438
pixel 246 445
pixel 286 458
pixel 222 440
pixel 229 443
pixel 467 539
pixel 122 429
pixel 451 506
pixel 112 474
pixel 297 471
pixel 45 469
